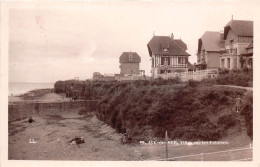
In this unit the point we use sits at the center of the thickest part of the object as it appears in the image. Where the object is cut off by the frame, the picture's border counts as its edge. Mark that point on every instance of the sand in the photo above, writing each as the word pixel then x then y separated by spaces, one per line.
pixel 52 97
pixel 14 99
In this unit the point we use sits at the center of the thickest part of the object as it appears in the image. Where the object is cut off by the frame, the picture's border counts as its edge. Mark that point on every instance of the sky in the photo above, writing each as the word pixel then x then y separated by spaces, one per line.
pixel 49 44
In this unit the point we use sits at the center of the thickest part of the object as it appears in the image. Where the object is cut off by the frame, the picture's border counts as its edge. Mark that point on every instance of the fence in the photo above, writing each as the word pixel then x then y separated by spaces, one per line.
pixel 191 75
pixel 23 110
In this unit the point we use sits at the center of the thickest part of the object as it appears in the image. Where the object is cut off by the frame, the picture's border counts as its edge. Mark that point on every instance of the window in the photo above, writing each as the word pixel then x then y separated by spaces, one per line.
pixel 228 63
pixel 231 43
pixel 181 60
pixel 130 57
pixel 250 63
pixel 165 61
pixel 165 49
pixel 222 63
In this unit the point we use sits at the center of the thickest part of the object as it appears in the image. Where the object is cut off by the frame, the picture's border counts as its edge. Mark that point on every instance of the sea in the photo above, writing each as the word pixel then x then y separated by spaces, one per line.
pixel 21 88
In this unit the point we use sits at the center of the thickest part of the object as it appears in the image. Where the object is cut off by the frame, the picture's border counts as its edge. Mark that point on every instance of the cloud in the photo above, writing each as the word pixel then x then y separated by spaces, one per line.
pixel 48 45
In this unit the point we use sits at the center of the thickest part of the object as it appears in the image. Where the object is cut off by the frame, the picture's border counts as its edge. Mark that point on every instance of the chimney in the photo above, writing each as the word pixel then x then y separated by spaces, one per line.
pixel 172 36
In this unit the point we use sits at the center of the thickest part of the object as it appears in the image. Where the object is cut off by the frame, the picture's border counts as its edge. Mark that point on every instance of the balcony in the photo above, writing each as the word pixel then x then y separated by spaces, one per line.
pixel 229 52
pixel 174 66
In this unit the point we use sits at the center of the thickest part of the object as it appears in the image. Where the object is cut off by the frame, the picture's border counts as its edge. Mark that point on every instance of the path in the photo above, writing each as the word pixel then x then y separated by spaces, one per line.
pixel 239 87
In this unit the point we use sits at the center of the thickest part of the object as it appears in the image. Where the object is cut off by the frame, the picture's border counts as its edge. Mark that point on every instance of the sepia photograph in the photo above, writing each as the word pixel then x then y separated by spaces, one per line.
pixel 130 80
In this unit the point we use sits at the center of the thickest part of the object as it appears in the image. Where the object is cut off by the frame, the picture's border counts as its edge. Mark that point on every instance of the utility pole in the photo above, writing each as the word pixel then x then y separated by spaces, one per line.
pixel 166 139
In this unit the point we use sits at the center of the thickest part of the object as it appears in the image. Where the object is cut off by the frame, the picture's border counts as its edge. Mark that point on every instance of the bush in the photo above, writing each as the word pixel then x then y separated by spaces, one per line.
pixel 82 112
pixel 193 83
pixel 227 121
pixel 149 108
pixel 247 112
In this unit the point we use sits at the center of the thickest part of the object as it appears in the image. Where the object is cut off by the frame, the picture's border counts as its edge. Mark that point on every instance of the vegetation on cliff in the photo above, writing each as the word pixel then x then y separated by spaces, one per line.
pixel 242 77
pixel 188 111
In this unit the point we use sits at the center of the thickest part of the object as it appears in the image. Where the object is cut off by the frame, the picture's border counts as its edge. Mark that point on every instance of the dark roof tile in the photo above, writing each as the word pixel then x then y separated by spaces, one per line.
pixel 125 57
pixel 157 43
pixel 240 28
pixel 181 44
pixel 211 41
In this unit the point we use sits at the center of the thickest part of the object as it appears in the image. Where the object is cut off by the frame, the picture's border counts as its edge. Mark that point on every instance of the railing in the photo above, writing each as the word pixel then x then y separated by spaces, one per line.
pixel 229 54
pixel 179 65
pixel 190 75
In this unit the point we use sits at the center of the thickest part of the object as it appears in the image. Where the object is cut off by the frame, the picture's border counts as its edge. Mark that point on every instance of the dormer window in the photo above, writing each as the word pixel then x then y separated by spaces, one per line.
pixel 130 58
pixel 231 43
pixel 165 49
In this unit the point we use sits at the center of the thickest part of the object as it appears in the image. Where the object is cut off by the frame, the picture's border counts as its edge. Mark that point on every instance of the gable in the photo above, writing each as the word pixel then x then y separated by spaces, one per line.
pixel 210 41
pixel 239 27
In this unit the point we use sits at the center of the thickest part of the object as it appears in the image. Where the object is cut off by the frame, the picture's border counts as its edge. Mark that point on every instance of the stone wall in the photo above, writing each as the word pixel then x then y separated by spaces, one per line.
pixel 18 111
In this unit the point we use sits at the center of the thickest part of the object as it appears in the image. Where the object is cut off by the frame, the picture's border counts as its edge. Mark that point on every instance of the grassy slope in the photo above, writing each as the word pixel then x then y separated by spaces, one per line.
pixel 196 111
pixel 146 109
pixel 233 77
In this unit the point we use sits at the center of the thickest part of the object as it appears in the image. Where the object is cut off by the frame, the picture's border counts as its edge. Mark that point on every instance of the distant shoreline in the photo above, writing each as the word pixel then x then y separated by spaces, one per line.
pixel 30 83
pixel 30 95
pixel 17 89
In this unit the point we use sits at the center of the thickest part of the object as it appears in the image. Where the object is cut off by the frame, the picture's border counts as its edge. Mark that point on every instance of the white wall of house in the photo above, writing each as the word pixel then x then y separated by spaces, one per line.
pixel 212 60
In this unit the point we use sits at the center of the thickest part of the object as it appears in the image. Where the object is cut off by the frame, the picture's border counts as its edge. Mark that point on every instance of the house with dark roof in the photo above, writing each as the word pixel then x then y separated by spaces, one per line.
pixel 238 48
pixel 168 55
pixel 209 50
pixel 129 63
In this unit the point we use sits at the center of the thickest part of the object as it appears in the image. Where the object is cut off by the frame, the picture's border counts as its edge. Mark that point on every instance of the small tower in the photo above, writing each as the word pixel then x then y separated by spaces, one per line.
pixel 129 63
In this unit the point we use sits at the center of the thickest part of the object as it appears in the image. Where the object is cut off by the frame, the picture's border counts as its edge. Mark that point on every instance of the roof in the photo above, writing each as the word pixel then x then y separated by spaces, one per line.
pixel 96 74
pixel 240 28
pixel 181 43
pixel 175 47
pixel 210 40
pixel 125 57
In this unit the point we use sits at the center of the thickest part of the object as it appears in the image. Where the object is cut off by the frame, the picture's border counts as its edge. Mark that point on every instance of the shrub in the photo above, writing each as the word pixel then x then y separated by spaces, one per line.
pixel 227 121
pixel 247 112
pixel 193 83
pixel 149 108
pixel 82 112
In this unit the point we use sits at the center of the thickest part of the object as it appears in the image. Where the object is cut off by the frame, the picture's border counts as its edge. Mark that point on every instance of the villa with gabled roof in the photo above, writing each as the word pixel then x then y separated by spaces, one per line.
pixel 168 55
pixel 238 49
pixel 209 50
